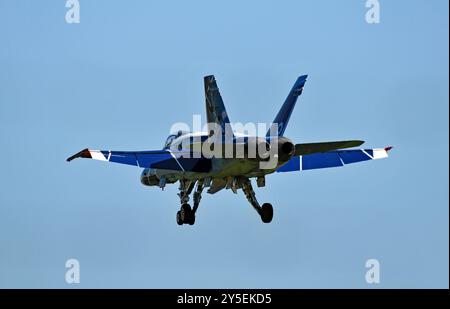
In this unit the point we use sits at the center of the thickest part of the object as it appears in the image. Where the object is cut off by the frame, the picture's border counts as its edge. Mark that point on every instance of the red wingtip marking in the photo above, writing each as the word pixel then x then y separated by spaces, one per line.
pixel 388 148
pixel 82 154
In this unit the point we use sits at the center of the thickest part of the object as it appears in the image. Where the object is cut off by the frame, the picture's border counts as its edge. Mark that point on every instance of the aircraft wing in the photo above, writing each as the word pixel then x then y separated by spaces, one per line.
pixel 303 149
pixel 332 159
pixel 163 159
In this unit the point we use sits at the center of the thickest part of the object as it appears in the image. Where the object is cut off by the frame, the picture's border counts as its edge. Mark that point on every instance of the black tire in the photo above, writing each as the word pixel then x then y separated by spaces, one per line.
pixel 179 221
pixel 192 218
pixel 185 213
pixel 266 213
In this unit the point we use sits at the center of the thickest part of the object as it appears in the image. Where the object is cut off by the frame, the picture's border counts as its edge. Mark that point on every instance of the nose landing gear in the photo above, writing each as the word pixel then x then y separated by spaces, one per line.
pixel 186 214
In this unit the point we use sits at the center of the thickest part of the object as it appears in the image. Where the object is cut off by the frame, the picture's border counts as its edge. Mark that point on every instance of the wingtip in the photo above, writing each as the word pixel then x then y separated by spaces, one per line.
pixel 388 148
pixel 81 154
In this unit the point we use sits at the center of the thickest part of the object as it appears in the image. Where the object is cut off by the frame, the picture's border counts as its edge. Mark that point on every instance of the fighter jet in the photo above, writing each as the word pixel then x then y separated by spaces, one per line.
pixel 221 158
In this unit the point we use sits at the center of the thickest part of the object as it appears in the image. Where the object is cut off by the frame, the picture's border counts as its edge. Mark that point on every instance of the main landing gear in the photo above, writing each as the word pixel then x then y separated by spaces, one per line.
pixel 265 211
pixel 186 214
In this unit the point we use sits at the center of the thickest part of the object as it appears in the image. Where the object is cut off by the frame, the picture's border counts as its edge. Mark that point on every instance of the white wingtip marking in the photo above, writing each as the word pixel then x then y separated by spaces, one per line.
pixel 379 153
pixel 97 155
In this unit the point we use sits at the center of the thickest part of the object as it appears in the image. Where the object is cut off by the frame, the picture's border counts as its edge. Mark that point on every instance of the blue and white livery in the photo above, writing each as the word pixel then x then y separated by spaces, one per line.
pixel 183 158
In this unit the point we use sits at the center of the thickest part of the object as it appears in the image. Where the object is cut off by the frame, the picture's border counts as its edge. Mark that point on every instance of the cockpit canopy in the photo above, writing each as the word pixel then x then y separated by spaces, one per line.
pixel 172 137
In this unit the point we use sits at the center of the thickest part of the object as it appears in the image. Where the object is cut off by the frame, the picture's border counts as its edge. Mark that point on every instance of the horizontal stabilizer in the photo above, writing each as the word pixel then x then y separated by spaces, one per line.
pixel 332 159
pixel 303 149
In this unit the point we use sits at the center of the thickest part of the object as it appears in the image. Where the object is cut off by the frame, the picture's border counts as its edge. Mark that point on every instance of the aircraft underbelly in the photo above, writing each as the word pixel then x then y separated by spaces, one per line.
pixel 234 167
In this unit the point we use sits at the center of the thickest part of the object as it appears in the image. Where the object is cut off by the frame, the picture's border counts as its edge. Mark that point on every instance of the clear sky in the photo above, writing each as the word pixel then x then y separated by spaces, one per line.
pixel 130 69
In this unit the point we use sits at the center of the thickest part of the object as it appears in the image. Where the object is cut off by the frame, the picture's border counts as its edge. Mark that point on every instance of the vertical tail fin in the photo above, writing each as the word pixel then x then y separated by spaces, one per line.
pixel 215 109
pixel 285 112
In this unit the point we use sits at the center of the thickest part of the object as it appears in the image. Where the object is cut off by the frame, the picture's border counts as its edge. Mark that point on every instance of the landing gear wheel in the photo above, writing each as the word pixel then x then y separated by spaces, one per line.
pixel 192 219
pixel 266 212
pixel 186 214
pixel 179 221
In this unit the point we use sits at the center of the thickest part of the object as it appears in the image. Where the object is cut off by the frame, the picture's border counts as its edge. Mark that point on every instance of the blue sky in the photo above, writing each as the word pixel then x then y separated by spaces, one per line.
pixel 130 69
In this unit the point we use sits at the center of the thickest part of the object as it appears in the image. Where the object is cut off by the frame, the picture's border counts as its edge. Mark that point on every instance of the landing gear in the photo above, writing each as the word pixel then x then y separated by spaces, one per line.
pixel 179 220
pixel 186 214
pixel 198 195
pixel 265 211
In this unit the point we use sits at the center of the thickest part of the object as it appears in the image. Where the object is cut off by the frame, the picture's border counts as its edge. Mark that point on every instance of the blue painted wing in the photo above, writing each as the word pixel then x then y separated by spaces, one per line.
pixel 136 158
pixel 163 159
pixel 333 159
